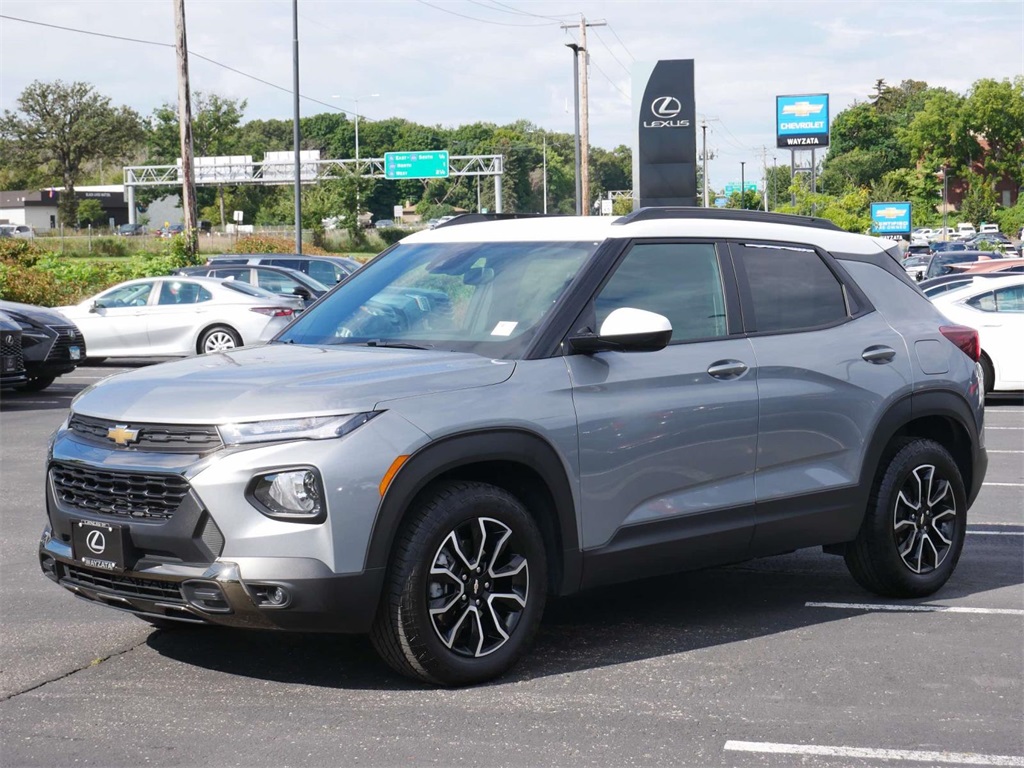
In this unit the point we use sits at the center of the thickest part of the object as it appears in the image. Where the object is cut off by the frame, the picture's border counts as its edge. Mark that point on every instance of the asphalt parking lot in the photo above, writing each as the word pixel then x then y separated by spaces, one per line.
pixel 776 662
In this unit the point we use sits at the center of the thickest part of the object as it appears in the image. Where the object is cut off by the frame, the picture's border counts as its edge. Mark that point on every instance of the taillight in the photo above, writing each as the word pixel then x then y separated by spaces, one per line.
pixel 273 311
pixel 965 338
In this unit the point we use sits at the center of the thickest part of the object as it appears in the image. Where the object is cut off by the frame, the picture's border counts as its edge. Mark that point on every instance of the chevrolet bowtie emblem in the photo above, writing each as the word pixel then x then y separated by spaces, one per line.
pixel 122 435
pixel 802 109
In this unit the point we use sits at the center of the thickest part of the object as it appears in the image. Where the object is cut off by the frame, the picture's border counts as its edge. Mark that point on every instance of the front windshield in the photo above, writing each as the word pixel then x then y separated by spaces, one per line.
pixel 485 298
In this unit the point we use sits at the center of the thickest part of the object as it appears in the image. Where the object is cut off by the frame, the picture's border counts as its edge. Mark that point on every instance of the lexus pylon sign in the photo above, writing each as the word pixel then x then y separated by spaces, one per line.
pixel 665 150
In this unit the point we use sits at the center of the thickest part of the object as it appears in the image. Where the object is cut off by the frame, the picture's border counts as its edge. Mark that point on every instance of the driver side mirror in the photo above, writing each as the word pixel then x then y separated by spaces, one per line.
pixel 96 305
pixel 627 329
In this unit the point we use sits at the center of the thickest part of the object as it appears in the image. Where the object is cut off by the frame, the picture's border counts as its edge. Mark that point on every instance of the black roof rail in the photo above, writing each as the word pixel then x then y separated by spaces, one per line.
pixel 724 214
pixel 474 218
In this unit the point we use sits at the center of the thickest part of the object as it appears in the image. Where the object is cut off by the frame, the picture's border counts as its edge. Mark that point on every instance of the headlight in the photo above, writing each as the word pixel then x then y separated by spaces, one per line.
pixel 293 494
pixel 307 428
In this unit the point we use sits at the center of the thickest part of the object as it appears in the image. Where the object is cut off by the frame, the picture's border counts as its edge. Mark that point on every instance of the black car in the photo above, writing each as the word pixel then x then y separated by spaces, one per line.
pixel 280 280
pixel 327 269
pixel 51 344
pixel 12 363
pixel 943 261
pixel 131 230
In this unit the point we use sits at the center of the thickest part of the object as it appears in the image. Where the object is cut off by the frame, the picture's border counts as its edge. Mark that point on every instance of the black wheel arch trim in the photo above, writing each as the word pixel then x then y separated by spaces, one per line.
pixel 917 405
pixel 465 449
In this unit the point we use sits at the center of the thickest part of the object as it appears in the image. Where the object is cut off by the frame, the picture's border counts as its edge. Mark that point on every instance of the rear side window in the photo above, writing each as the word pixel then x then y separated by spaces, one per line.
pixel 789 288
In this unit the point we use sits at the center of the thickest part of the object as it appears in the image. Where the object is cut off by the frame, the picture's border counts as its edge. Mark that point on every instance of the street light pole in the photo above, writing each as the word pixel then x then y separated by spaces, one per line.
pixel 576 91
pixel 945 202
pixel 743 185
pixel 544 137
pixel 296 136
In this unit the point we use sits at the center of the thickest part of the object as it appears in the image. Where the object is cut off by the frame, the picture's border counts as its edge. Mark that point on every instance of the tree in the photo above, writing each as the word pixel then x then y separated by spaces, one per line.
pixel 215 128
pixel 61 126
pixel 90 211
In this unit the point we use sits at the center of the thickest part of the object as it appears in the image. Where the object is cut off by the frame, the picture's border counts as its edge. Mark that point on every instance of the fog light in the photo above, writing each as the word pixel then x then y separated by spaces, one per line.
pixel 270 595
pixel 295 494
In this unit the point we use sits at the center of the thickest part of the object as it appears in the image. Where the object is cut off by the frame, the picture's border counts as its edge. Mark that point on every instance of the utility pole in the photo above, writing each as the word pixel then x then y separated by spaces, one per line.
pixel 295 126
pixel 704 157
pixel 583 114
pixel 188 182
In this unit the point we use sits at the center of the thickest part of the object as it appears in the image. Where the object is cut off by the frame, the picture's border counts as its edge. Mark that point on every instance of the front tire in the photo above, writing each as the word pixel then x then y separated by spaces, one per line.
pixel 988 374
pixel 219 338
pixel 913 531
pixel 37 384
pixel 465 589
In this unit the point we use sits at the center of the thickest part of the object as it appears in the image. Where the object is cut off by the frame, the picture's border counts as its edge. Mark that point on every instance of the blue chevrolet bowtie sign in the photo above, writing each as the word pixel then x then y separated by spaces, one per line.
pixel 890 218
pixel 801 121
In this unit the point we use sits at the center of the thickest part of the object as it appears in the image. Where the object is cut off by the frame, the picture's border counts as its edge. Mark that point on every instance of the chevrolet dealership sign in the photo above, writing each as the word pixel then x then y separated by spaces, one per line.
pixel 890 218
pixel 801 121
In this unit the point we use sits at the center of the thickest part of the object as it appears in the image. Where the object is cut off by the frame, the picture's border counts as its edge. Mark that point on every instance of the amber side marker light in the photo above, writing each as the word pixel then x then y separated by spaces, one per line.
pixel 390 474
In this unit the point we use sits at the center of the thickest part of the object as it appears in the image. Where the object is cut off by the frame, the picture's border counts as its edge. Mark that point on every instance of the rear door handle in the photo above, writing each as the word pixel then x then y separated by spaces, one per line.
pixel 727 369
pixel 879 354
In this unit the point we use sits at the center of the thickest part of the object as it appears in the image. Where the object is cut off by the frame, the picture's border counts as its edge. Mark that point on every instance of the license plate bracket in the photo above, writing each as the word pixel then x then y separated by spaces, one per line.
pixel 98 545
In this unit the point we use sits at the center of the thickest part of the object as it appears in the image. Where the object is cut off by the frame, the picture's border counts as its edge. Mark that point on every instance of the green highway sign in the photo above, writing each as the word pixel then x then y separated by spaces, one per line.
pixel 416 165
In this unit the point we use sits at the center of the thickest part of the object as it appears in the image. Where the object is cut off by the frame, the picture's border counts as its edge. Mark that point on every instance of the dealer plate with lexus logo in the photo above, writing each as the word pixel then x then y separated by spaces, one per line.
pixel 98 545
pixel 75 353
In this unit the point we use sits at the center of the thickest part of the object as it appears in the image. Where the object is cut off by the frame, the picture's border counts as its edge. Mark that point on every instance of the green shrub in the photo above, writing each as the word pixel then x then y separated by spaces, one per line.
pixel 110 246
pixel 391 235
pixel 267 244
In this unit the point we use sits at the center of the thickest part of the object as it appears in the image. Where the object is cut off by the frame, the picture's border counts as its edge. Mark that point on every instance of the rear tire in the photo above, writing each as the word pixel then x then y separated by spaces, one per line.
pixel 465 588
pixel 913 531
pixel 219 338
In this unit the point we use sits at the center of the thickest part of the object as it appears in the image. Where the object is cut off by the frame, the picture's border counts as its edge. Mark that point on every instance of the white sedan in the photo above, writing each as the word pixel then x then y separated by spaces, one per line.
pixel 995 307
pixel 172 316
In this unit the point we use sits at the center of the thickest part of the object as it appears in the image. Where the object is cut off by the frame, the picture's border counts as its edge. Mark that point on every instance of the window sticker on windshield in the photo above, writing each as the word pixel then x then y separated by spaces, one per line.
pixel 504 328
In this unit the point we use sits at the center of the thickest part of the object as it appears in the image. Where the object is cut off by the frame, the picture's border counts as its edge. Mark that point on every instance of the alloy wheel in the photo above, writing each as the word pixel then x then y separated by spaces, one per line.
pixel 477 587
pixel 924 519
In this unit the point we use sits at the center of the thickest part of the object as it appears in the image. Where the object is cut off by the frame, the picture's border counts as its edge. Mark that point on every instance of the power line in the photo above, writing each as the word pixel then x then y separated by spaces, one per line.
pixel 482 21
pixel 611 53
pixel 612 30
pixel 516 10
pixel 616 87
pixel 170 45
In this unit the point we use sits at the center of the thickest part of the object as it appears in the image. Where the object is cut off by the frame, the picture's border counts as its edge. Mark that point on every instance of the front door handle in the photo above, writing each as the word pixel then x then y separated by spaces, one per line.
pixel 879 354
pixel 727 369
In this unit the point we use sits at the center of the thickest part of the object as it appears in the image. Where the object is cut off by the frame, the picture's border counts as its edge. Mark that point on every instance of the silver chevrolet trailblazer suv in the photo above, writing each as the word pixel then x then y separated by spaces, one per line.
pixel 493 412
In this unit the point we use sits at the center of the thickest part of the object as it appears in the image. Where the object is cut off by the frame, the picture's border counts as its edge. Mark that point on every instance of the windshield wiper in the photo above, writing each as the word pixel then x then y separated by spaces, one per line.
pixel 392 344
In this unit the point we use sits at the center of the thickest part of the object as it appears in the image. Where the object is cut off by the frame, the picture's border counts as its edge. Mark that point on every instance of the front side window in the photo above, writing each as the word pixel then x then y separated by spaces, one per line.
pixel 681 281
pixel 789 289
pixel 486 298
pixel 132 295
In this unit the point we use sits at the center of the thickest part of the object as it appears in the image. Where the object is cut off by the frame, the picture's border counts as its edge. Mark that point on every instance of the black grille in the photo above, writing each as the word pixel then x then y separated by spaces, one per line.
pixel 122 494
pixel 67 336
pixel 173 438
pixel 123 586
pixel 10 347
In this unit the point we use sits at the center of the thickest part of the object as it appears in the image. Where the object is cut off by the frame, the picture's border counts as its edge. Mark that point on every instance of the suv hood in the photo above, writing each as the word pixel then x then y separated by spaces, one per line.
pixel 283 381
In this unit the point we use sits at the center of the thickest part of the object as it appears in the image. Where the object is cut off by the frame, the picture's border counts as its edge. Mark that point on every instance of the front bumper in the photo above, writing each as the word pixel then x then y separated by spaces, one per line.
pixel 243 593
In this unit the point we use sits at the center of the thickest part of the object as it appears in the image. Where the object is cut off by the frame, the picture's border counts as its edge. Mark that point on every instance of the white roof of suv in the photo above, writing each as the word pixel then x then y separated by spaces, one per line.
pixel 577 228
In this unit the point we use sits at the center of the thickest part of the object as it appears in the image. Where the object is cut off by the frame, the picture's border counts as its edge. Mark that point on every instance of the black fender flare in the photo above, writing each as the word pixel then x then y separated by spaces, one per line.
pixel 463 450
pixel 936 402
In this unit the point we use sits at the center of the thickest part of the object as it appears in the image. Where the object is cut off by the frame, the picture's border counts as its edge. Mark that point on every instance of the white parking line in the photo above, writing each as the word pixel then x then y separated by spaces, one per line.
pixel 996 533
pixel 1016 428
pixel 962 758
pixel 991 451
pixel 897 608
pixel 1005 485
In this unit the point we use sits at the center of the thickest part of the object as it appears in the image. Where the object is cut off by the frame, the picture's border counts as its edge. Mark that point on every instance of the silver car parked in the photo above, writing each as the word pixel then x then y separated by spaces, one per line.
pixel 491 413
pixel 171 316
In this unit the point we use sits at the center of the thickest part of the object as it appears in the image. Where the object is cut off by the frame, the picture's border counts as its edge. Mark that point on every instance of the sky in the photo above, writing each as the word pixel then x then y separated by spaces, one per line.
pixel 452 62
